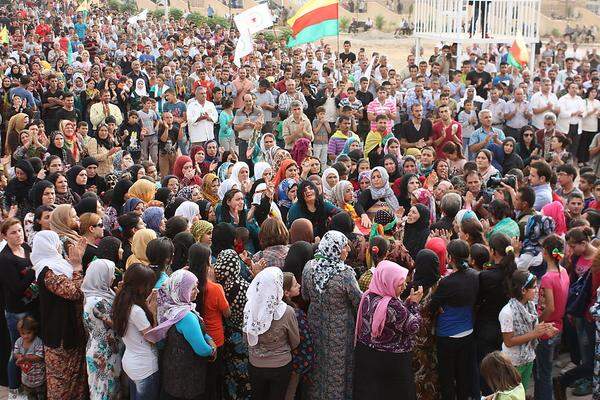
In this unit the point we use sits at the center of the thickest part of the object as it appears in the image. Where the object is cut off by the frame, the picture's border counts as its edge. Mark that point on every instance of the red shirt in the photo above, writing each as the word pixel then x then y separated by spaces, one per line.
pixel 558 282
pixel 214 305
pixel 438 130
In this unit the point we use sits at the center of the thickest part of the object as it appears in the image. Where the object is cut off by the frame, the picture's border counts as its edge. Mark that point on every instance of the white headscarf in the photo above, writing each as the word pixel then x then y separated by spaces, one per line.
pixel 46 252
pixel 265 303
pixel 328 190
pixel 141 91
pixel 98 278
pixel 385 192
pixel 338 193
pixel 187 209
pixel 226 186
pixel 235 170
pixel 260 168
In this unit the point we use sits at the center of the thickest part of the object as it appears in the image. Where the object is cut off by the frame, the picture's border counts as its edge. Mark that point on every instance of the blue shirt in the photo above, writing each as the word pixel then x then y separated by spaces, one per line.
pixel 80 29
pixel 191 330
pixel 543 196
pixel 24 94
pixel 479 136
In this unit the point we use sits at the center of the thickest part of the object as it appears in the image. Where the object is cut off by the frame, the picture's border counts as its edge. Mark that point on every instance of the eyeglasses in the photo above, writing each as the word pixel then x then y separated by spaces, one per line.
pixel 99 225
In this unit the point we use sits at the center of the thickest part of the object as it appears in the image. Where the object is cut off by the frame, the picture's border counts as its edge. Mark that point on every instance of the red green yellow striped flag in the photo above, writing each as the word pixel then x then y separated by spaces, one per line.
pixel 314 20
pixel 518 56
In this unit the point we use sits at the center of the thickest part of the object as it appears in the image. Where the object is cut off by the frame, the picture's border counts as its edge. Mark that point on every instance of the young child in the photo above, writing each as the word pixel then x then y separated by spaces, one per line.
pixel 468 120
pixel 502 378
pixel 586 185
pixel 519 324
pixel 480 257
pixel 379 248
pixel 29 356
pixel 130 133
pixel 303 355
pixel 321 129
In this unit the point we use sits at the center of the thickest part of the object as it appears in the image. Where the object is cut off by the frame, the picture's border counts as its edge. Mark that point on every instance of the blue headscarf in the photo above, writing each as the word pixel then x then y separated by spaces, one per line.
pixel 282 193
pixel 131 204
pixel 348 143
pixel 222 171
pixel 152 217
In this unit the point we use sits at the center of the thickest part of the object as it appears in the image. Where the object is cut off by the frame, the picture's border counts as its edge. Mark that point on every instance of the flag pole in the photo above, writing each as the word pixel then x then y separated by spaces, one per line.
pixel 338 30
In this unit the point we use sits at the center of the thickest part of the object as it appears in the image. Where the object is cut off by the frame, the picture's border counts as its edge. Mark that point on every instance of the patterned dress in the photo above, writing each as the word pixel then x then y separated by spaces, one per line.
pixel 424 354
pixel 331 316
pixel 103 350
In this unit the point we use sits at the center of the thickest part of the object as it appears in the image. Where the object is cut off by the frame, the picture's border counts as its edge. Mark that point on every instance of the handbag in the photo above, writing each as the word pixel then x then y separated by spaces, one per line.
pixel 579 295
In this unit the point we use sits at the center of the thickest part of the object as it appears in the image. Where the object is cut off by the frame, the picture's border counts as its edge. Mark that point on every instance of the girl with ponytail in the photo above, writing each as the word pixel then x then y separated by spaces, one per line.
pixel 453 303
pixel 554 291
pixel 379 248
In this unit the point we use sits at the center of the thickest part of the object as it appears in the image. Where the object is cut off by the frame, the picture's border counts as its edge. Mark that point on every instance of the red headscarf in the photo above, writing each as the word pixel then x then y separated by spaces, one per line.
pixel 280 175
pixel 438 246
pixel 300 150
pixel 178 172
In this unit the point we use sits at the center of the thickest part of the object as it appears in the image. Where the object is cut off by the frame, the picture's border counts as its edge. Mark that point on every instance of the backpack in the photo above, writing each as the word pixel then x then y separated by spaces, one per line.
pixel 579 295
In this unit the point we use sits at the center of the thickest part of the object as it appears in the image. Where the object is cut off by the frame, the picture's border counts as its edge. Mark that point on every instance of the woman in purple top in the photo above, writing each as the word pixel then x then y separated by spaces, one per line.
pixel 385 330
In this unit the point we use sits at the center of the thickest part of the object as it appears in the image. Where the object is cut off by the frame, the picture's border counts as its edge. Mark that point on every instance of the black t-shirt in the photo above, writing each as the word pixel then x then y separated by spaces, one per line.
pixel 350 56
pixel 170 146
pixel 409 132
pixel 126 132
pixel 480 79
pixel 49 115
pixel 72 115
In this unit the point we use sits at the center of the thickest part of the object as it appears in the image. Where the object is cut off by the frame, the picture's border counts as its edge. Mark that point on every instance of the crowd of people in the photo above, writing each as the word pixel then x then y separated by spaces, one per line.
pixel 311 225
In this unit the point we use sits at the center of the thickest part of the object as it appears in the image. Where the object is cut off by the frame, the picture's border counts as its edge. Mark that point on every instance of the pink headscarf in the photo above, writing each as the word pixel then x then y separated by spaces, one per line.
pixel 300 150
pixel 425 197
pixel 556 211
pixel 387 277
pixel 438 246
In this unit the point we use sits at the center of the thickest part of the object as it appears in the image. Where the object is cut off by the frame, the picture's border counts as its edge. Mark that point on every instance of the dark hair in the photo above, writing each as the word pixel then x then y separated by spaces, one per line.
pixel 175 225
pixel 473 229
pixel 581 234
pixel 568 169
pixel 527 195
pixel 225 214
pixel 199 261
pixel 127 224
pixel 319 202
pixel 521 280
pixel 552 242
pixel 480 255
pixel 543 169
pixel 37 216
pixel 138 281
pixel 383 247
pixel 499 209
pixel 458 251
pixel 341 168
pixel 500 243
pixel 159 253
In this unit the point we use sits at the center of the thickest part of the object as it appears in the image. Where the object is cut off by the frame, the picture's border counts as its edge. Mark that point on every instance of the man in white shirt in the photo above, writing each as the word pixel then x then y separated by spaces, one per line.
pixel 201 117
pixel 568 72
pixel 571 108
pixel 517 114
pixel 496 106
pixel 542 102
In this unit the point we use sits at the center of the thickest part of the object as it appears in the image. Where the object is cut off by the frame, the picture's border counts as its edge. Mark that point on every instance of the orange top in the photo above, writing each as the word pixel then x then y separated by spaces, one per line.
pixel 214 305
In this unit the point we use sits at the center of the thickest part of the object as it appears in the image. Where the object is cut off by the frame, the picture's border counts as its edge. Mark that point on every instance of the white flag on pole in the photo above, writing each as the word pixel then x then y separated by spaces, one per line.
pixel 243 47
pixel 140 17
pixel 254 19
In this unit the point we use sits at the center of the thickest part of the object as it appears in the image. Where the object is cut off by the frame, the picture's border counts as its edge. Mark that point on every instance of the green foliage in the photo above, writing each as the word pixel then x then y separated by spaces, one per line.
pixel 126 6
pixel 158 13
pixel 199 20
pixel 555 32
pixel 175 13
pixel 114 4
pixel 379 22
pixel 344 22
pixel 278 34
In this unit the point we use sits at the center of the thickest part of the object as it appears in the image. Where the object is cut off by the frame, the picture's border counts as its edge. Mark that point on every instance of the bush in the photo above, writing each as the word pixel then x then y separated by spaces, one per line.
pixel 158 13
pixel 114 5
pixel 199 20
pixel 129 6
pixel 344 22
pixel 175 13
pixel 555 32
pixel 379 22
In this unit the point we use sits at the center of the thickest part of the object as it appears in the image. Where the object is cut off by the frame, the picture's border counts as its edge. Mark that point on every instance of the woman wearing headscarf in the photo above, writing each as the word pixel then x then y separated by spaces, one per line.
pixel 301 230
pixel 298 255
pixel 103 149
pixel 379 191
pixel 67 128
pixel 139 91
pixel 41 194
pixel 189 210
pixel 186 345
pixel 235 352
pixel 301 150
pixel 416 229
pixel 103 350
pixel 271 330
pixel 390 163
pixel 202 231
pixel 331 287
pixel 210 188
pixel 438 246
pixel 17 190
pixel 531 255
pixel 556 211
pixel 329 179
pixel 426 275
pixel 287 169
pixel 61 312
pixel 97 181
pixel 154 218
pixel 16 124
pixel 385 336
pixel 63 193
pixel 115 207
pixel 133 205
pixel 223 171
pixel 240 177
pixel 143 189
pixel 374 144
pixel 285 199
pixel 138 247
pixel 312 206
pixel 77 179
pixel 267 153
pixel 185 172
pixel 65 223
pixel 57 148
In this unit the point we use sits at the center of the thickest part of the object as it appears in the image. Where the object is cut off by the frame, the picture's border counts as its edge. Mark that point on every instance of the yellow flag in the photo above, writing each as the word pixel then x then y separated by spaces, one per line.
pixel 4 35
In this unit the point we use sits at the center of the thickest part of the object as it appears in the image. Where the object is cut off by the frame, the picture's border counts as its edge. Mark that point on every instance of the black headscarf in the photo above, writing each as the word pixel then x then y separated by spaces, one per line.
pixel 172 207
pixel 107 142
pixel 396 174
pixel 174 226
pixel 182 242
pixel 133 171
pixel 72 179
pixel 97 180
pixel 17 192
pixel 119 192
pixel 223 238
pixel 165 181
pixel 342 222
pixel 204 208
pixel 87 204
pixel 416 234
pixel 55 151
pixel 427 271
pixel 299 254
pixel 37 191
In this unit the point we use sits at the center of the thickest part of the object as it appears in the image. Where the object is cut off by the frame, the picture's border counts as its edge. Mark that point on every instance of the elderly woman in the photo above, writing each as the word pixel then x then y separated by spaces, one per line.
pixel 331 287
pixel 378 192
pixel 102 148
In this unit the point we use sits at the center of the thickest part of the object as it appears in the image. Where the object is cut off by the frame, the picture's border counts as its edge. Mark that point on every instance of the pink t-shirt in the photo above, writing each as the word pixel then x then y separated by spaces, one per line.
pixel 583 264
pixel 558 282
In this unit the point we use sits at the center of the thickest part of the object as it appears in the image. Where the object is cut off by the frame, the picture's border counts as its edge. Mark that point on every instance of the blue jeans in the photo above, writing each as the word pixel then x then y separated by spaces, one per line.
pixel 145 389
pixel 14 373
pixel 184 146
pixel 544 355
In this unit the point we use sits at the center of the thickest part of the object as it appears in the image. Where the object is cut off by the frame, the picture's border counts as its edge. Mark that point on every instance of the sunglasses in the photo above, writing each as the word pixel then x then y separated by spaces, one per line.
pixel 99 225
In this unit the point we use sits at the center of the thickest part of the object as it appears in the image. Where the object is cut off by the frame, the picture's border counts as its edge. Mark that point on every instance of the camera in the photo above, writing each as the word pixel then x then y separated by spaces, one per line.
pixel 495 182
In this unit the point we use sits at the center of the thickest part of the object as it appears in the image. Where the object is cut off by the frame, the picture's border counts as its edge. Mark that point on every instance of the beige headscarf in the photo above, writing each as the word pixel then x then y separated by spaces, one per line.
pixel 143 189
pixel 138 247
pixel 59 223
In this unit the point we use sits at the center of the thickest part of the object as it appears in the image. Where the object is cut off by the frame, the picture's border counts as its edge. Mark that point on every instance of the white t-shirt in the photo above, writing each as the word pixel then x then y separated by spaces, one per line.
pixel 506 325
pixel 141 358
